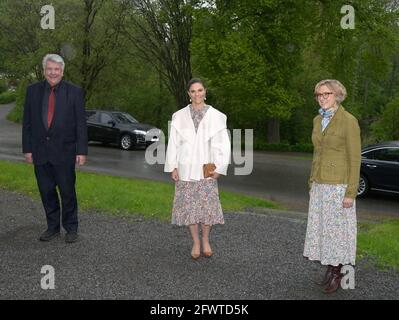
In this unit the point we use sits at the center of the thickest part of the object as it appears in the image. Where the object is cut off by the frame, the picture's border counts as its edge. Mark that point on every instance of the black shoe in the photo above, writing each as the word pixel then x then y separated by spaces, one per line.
pixel 71 237
pixel 49 235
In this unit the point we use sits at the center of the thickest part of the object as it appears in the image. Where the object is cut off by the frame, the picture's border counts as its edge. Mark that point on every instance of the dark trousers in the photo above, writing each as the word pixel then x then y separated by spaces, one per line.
pixel 49 177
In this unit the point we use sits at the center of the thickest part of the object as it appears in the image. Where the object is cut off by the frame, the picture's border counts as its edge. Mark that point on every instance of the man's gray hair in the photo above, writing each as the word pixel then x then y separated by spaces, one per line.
pixel 55 58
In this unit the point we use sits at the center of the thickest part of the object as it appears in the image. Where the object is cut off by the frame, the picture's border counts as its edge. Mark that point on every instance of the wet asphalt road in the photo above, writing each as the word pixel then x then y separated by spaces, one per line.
pixel 281 177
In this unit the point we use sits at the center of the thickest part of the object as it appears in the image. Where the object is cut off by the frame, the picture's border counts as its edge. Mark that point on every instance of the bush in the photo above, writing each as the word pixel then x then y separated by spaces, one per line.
pixel 283 147
pixel 3 85
pixel 387 126
pixel 302 147
pixel 16 114
pixel 7 97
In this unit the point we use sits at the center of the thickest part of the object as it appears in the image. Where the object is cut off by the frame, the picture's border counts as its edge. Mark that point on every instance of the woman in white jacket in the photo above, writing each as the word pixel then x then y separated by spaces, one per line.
pixel 198 135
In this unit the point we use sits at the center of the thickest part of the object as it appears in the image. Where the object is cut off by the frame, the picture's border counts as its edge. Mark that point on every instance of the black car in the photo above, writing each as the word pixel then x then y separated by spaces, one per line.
pixel 119 128
pixel 380 168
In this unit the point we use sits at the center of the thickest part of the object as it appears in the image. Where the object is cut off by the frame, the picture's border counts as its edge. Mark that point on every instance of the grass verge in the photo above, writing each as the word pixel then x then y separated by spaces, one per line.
pixel 381 241
pixel 118 195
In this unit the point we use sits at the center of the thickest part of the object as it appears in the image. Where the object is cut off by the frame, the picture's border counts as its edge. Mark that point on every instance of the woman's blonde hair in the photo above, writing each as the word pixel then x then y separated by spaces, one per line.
pixel 335 86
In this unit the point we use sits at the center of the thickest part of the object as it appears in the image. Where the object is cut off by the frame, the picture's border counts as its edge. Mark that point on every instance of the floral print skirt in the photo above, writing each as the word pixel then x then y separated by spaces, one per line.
pixel 331 229
pixel 197 202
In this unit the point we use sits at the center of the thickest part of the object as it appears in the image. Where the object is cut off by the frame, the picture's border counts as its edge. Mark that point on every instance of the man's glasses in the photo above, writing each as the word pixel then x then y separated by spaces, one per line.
pixel 325 95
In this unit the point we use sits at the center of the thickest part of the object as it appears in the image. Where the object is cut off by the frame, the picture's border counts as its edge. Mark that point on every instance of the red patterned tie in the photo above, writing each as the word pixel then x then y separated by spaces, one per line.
pixel 51 102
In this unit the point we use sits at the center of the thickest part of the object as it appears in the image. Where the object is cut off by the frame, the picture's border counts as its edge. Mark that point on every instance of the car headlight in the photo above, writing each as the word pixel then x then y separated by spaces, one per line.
pixel 141 132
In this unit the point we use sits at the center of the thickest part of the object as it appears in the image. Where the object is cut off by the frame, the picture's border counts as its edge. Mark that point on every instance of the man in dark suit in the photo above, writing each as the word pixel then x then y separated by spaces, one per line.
pixel 54 139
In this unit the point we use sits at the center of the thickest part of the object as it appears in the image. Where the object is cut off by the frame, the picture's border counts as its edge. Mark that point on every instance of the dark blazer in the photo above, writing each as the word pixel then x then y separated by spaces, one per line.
pixel 337 152
pixel 67 135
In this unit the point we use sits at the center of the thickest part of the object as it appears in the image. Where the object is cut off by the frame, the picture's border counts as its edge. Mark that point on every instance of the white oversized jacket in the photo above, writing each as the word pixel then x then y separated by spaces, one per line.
pixel 188 150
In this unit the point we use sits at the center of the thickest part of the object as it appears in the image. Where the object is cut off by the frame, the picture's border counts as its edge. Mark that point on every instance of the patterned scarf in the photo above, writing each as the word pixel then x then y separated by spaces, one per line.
pixel 327 115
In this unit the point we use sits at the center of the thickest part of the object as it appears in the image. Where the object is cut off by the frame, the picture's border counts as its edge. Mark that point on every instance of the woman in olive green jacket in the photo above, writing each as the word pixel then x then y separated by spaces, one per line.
pixel 332 228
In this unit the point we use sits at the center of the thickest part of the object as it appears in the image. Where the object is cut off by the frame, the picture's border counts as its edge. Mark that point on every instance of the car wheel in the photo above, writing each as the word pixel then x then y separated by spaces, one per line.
pixel 363 186
pixel 126 142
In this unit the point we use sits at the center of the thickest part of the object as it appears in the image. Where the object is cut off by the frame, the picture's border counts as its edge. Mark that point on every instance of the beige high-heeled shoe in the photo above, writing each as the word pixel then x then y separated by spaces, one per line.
pixel 207 254
pixel 195 256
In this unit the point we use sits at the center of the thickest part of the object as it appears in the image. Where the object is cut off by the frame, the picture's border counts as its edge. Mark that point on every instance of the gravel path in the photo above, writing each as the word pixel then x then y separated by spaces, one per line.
pixel 257 256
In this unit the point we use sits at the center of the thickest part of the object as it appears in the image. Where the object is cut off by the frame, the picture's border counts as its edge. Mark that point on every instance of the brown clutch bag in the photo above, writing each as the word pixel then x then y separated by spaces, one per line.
pixel 208 168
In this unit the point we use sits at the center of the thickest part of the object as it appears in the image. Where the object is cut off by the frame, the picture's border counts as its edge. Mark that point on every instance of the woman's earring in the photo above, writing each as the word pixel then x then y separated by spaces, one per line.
pixel 191 100
pixel 205 98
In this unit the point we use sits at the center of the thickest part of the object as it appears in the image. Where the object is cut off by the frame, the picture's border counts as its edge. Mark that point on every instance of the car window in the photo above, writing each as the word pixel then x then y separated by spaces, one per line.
pixel 385 154
pixel 369 155
pixel 120 117
pixel 130 118
pixel 91 116
pixel 389 154
pixel 105 118
pixel 124 118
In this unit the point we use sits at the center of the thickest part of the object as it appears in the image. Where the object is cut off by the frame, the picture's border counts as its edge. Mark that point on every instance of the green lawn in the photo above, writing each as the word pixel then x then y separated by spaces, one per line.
pixel 380 241
pixel 118 195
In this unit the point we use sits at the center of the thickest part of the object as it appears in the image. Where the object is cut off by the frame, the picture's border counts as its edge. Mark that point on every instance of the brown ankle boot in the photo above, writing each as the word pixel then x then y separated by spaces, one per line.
pixel 335 281
pixel 327 276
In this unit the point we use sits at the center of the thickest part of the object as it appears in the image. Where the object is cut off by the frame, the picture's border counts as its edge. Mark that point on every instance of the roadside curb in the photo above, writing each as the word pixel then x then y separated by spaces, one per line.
pixel 276 213
pixel 303 216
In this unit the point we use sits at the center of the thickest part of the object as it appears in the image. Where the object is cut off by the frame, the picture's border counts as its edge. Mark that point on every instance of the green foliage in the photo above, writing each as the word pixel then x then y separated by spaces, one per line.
pixel 7 97
pixel 3 85
pixel 143 94
pixel 283 146
pixel 22 40
pixel 260 59
pixel 362 58
pixel 387 126
pixel 249 52
pixel 97 56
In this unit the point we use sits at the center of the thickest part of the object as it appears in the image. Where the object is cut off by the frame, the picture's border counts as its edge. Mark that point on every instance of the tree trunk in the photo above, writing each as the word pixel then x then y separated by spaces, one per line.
pixel 273 130
pixel 365 94
pixel 180 90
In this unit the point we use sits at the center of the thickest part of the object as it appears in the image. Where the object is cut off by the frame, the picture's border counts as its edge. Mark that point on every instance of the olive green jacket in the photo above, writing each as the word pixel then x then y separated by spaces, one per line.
pixel 337 152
